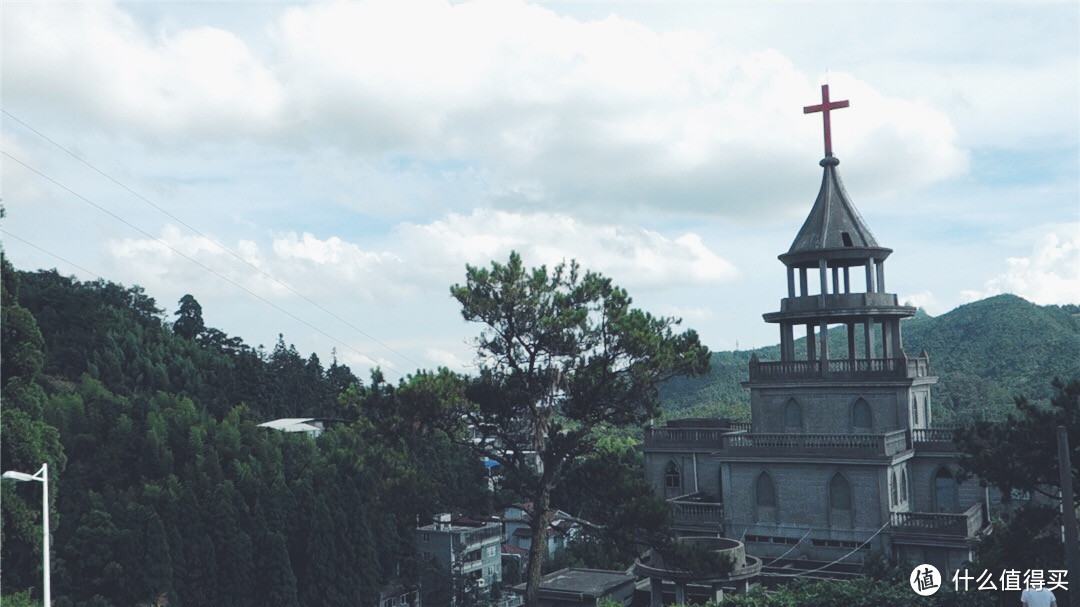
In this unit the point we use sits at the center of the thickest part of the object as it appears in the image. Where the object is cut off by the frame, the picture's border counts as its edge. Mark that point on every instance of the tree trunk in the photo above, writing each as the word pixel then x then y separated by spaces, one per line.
pixel 539 521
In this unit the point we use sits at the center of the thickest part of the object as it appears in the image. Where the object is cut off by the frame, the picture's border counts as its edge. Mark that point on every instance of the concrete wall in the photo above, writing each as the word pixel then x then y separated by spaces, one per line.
pixel 802 491
pixel 921 471
pixel 829 409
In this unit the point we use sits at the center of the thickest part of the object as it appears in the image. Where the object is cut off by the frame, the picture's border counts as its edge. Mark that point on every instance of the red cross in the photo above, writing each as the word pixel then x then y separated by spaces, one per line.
pixel 825 107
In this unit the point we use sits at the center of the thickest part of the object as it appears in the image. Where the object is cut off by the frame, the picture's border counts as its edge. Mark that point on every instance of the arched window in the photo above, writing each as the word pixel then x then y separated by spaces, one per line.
pixel 915 410
pixel 765 491
pixel 720 484
pixel 903 485
pixel 792 414
pixel 861 418
pixel 839 493
pixel 945 491
pixel 893 488
pixel 672 477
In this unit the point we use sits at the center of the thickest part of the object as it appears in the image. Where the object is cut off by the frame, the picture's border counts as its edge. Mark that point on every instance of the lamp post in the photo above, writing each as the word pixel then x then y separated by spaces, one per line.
pixel 41 476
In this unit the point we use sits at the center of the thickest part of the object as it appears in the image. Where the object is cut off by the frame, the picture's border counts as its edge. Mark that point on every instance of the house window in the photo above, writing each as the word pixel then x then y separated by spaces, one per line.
pixel 893 488
pixel 839 493
pixel 765 491
pixel 672 477
pixel 945 499
pixel 861 418
pixel 915 410
pixel 792 415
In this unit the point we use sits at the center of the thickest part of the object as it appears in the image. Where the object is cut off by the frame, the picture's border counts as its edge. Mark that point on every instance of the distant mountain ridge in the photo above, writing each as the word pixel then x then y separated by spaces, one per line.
pixel 985 353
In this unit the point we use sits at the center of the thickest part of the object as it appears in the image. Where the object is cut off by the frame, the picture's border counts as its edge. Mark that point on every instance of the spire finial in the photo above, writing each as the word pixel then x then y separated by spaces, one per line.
pixel 825 107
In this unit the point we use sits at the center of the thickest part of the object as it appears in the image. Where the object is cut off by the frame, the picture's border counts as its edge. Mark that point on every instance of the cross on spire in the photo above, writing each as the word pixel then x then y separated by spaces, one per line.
pixel 825 107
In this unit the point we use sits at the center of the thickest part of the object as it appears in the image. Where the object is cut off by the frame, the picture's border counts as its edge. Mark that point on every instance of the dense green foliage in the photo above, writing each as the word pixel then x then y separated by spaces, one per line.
pixel 985 353
pixel 864 592
pixel 163 486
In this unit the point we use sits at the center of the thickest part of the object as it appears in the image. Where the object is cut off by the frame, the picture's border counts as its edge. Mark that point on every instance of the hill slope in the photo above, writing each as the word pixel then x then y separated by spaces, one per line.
pixel 985 353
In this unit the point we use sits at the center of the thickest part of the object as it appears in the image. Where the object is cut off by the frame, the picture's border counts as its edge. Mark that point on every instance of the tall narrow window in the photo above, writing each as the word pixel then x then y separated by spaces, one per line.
pixel 792 415
pixel 915 410
pixel 839 493
pixel 903 485
pixel 893 488
pixel 861 418
pixel 672 477
pixel 720 485
pixel 765 491
pixel 945 499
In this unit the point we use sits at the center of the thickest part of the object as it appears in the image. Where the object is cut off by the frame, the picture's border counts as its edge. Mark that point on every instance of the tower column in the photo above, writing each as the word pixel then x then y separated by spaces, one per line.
pixel 790 282
pixel 811 343
pixel 823 272
pixel 802 282
pixel 836 281
pixel 847 280
pixel 870 275
pixel 886 340
pixel 787 333
pixel 824 346
pixel 881 276
pixel 851 343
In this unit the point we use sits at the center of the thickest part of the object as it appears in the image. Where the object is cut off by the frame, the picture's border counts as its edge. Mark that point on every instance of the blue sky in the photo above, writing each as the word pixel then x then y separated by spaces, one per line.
pixel 340 163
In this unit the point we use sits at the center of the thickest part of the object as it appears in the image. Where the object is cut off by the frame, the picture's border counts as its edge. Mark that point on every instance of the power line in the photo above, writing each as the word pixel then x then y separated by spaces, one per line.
pixel 199 233
pixel 51 254
pixel 195 261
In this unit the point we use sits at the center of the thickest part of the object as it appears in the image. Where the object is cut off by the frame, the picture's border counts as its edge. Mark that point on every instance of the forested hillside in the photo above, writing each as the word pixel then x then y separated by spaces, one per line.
pixel 163 487
pixel 985 353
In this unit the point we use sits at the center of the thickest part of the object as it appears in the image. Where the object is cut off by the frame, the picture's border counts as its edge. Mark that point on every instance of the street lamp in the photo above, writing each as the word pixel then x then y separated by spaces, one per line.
pixel 41 476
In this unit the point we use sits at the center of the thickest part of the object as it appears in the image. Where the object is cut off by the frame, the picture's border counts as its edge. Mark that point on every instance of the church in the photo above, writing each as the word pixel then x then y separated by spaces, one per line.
pixel 840 457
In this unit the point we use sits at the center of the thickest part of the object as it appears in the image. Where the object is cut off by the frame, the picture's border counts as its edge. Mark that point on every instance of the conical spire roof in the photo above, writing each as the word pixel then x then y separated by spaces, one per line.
pixel 833 223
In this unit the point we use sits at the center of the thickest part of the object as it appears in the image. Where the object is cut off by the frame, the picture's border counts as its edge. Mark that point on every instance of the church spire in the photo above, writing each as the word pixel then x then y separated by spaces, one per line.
pixel 833 222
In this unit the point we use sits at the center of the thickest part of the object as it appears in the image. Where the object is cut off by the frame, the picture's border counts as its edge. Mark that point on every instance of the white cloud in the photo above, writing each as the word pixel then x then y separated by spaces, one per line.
pixel 602 114
pixel 1050 275
pixel 423 258
pixel 926 301
pixel 633 257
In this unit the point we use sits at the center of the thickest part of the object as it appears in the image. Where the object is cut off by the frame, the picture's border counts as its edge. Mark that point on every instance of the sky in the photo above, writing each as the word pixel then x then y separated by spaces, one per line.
pixel 326 171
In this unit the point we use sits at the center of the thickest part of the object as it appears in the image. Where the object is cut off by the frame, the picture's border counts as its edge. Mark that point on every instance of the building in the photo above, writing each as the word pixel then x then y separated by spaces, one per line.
pixel 518 534
pixel 840 456
pixel 575 587
pixel 466 548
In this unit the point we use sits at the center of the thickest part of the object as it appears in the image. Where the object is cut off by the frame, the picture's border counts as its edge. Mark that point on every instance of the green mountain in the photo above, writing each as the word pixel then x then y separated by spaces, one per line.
pixel 985 353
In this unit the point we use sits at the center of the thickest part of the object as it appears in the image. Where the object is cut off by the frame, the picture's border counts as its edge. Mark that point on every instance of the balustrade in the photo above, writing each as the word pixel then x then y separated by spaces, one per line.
pixel 965 524
pixel 933 435
pixel 859 368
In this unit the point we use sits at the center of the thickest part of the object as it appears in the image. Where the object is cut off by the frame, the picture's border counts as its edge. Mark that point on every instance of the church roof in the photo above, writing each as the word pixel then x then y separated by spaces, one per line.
pixel 833 223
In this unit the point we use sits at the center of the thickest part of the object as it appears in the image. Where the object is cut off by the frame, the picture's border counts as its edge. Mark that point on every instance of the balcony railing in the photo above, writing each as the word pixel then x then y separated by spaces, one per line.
pixel 860 368
pixel 707 437
pixel 697 509
pixel 963 525
pixel 481 534
pixel 838 301
pixel 885 445
pixel 933 435
pixel 745 443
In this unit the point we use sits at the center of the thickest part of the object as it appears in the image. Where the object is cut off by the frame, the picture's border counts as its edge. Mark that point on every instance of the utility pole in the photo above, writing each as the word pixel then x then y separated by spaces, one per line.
pixel 1068 513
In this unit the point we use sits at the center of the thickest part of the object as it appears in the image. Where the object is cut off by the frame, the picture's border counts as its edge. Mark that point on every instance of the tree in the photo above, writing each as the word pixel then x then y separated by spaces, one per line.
pixel 190 322
pixel 562 358
pixel 1021 452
